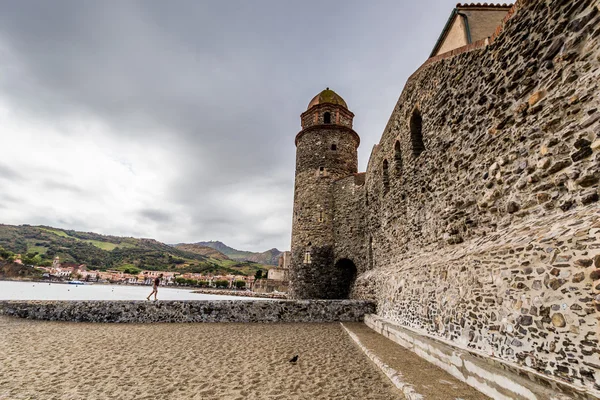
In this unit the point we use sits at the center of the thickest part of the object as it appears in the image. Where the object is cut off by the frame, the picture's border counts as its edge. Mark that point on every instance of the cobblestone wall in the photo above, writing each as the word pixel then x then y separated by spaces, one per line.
pixel 348 221
pixel 190 311
pixel 490 237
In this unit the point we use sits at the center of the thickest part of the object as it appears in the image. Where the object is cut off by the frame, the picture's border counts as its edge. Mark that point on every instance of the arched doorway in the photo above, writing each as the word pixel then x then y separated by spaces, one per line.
pixel 346 275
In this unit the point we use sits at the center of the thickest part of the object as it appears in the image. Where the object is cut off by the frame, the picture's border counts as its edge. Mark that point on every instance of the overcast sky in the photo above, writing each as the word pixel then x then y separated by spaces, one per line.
pixel 175 120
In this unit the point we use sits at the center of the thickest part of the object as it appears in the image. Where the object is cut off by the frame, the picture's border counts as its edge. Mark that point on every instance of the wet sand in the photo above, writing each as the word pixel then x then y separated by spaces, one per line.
pixel 61 360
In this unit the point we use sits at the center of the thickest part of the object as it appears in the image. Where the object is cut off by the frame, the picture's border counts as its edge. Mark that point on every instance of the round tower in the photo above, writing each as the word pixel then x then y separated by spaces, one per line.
pixel 326 150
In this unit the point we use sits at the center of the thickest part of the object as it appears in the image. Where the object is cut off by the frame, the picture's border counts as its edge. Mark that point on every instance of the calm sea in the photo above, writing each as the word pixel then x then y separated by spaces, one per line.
pixel 60 291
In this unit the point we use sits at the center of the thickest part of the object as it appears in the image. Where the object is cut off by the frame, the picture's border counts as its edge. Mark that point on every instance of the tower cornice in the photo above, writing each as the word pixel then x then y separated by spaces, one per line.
pixel 343 110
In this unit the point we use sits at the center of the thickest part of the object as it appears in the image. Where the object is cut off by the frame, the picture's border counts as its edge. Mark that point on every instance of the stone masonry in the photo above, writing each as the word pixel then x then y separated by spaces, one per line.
pixel 477 220
pixel 189 311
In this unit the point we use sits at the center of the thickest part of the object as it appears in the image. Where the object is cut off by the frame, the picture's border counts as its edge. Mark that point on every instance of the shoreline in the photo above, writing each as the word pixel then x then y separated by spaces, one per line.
pixel 120 291
pixel 192 289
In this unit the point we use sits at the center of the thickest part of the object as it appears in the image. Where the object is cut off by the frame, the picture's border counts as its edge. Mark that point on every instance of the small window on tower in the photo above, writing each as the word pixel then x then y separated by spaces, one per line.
pixel 327 118
pixel 307 259
pixel 334 147
pixel 321 216
pixel 398 157
pixel 386 177
pixel 321 171
pixel 416 133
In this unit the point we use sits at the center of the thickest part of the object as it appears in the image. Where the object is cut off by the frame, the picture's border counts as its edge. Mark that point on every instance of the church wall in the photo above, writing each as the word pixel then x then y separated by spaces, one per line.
pixel 483 23
pixel 456 36
pixel 490 238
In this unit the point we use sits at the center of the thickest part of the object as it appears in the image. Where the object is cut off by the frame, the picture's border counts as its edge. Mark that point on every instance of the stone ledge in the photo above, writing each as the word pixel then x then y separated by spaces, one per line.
pixel 495 378
pixel 190 311
pixel 396 378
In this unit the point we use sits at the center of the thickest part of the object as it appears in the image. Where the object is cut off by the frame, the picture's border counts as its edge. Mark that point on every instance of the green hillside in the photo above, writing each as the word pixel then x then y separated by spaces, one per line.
pixel 40 244
pixel 269 257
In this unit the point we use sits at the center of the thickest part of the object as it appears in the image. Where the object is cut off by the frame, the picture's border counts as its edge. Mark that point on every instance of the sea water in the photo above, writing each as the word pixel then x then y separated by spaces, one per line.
pixel 12 290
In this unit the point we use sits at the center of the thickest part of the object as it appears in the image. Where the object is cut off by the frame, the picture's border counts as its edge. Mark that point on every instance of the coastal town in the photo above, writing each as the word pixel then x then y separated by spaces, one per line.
pixel 275 280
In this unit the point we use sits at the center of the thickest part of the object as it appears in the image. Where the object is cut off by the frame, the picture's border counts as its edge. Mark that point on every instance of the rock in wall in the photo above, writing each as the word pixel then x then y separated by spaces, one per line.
pixel 482 195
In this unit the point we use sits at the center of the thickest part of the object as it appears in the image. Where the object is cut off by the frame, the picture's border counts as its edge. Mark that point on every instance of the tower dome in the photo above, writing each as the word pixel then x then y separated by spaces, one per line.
pixel 327 96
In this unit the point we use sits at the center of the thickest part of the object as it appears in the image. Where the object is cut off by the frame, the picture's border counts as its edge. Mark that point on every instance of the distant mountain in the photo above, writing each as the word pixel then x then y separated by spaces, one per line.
pixel 40 244
pixel 202 250
pixel 269 257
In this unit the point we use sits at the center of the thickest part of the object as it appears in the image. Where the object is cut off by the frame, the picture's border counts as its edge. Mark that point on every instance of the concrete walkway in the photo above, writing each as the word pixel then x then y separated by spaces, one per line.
pixel 415 377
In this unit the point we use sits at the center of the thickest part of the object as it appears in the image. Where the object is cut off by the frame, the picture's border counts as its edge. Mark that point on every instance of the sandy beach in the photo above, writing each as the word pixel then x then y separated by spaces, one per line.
pixel 61 360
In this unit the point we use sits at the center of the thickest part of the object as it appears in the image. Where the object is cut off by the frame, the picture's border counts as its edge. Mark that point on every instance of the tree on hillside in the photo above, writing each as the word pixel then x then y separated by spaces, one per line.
pixel 258 275
pixel 240 284
pixel 5 254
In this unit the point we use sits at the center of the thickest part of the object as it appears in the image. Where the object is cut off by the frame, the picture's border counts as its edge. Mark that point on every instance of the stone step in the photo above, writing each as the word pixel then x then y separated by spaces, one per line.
pixel 414 376
pixel 496 378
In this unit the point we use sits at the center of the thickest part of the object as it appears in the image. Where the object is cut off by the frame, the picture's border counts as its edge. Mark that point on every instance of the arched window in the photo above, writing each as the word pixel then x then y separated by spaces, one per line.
pixel 321 216
pixel 307 253
pixel 386 176
pixel 307 259
pixel 327 118
pixel 398 157
pixel 416 133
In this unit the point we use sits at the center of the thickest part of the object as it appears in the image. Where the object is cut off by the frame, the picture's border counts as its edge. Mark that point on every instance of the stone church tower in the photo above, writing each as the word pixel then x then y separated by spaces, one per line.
pixel 326 150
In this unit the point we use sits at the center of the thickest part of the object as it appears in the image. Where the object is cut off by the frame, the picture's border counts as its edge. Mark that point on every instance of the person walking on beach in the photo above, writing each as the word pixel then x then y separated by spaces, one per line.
pixel 155 287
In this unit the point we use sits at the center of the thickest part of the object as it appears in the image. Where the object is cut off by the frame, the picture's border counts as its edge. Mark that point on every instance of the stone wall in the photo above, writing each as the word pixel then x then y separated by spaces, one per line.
pixel 348 221
pixel 190 311
pixel 490 238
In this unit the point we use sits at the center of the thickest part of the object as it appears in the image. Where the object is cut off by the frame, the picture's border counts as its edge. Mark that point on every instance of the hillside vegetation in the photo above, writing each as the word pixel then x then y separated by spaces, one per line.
pixel 40 244
pixel 269 257
pixel 9 270
pixel 202 250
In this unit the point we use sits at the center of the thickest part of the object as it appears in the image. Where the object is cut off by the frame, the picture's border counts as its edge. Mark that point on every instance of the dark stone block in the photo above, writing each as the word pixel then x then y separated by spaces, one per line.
pixel 559 165
pixel 581 154
pixel 589 198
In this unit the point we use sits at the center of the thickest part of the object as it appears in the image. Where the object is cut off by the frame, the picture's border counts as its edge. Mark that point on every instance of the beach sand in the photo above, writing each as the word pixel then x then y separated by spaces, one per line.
pixel 62 360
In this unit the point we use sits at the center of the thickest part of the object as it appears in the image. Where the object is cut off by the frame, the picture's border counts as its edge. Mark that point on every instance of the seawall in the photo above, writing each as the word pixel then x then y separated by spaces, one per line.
pixel 190 311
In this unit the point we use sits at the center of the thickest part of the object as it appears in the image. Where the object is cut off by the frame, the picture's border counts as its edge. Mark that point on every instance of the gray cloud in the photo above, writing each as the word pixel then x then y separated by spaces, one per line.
pixel 52 184
pixel 156 215
pixel 199 102
pixel 9 173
